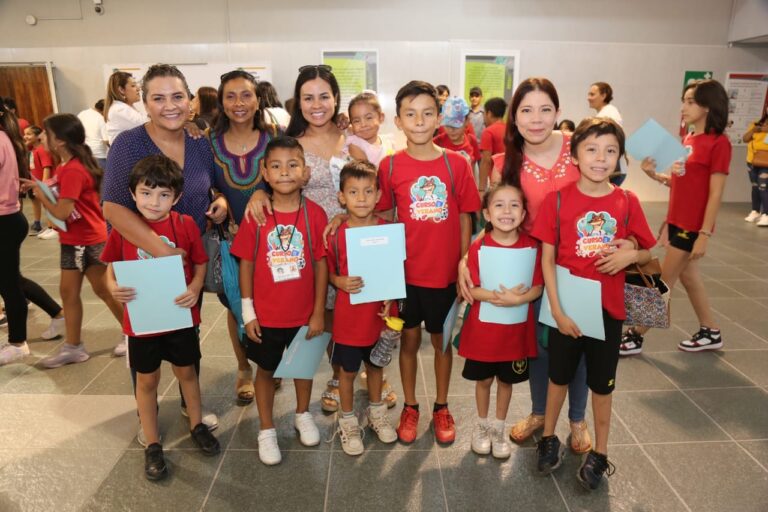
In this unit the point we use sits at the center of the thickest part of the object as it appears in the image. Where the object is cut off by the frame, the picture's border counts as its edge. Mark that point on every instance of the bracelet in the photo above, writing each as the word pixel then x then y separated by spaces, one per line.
pixel 246 307
pixel 705 233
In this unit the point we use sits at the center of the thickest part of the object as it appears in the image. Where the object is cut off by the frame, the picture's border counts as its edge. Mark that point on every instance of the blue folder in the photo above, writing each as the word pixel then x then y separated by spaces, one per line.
pixel 377 254
pixel 52 198
pixel 652 140
pixel 508 267
pixel 303 356
pixel 157 282
pixel 581 300
pixel 449 323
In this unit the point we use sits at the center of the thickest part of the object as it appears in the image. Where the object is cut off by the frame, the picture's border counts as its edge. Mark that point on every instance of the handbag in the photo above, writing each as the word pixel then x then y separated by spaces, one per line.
pixel 760 158
pixel 646 297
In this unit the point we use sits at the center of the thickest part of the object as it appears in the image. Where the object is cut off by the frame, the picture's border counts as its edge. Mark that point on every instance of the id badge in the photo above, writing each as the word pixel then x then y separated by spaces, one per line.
pixel 285 272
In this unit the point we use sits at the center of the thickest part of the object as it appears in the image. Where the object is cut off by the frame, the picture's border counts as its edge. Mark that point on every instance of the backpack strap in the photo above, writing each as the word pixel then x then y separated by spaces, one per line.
pixel 309 230
pixel 450 172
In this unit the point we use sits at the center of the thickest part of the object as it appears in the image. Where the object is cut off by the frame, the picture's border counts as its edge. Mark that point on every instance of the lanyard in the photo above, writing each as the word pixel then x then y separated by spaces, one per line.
pixel 295 227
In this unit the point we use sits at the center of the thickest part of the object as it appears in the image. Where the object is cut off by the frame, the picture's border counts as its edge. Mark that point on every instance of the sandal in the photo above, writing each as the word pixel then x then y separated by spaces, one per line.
pixel 580 441
pixel 330 398
pixel 388 395
pixel 525 428
pixel 244 387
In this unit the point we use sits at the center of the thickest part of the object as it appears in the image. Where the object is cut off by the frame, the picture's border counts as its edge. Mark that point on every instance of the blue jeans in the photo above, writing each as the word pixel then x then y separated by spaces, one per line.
pixel 759 188
pixel 539 380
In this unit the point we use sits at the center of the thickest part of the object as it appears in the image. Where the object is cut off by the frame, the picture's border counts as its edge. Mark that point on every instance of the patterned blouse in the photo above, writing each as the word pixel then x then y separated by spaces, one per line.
pixel 323 183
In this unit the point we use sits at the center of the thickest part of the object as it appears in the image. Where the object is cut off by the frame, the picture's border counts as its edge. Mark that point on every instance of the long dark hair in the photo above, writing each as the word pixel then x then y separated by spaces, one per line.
pixel 68 129
pixel 711 94
pixel 10 125
pixel 222 122
pixel 298 124
pixel 513 140
pixel 267 94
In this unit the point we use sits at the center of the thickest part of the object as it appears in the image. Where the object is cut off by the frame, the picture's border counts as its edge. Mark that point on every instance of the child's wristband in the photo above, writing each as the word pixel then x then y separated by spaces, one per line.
pixel 246 308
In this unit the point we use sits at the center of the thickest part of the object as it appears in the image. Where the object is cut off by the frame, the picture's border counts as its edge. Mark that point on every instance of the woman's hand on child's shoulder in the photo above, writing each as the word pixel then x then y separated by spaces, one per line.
pixel 507 297
pixel 254 210
pixel 333 226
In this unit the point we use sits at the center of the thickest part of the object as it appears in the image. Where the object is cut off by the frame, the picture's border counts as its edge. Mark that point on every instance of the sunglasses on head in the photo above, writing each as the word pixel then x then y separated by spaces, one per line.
pixel 322 67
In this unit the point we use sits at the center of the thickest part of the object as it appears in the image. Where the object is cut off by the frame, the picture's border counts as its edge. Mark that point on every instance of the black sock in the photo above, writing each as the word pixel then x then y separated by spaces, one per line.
pixel 438 406
pixel 415 407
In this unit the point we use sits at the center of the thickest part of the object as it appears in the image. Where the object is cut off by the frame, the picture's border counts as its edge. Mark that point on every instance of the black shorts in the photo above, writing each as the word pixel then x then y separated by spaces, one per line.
pixel 602 357
pixel 428 305
pixel 180 348
pixel 274 340
pixel 350 357
pixel 508 372
pixel 80 257
pixel 680 238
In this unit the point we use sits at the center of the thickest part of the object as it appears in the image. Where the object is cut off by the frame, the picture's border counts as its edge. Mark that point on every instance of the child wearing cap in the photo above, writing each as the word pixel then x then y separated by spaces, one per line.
pixel 476 114
pixel 454 135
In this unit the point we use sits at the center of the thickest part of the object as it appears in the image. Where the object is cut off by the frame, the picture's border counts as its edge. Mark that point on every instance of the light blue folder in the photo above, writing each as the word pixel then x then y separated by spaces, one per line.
pixel 52 198
pixel 377 254
pixel 303 356
pixel 157 283
pixel 449 323
pixel 581 300
pixel 508 267
pixel 652 140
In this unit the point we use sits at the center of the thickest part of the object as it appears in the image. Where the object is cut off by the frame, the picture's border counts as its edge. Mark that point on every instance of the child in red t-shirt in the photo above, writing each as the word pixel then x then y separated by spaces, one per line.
pixel 587 228
pixel 694 200
pixel 156 183
pixel 78 206
pixel 356 328
pixel 283 284
pixel 494 350
pixel 492 140
pixel 455 137
pixel 433 193
pixel 40 165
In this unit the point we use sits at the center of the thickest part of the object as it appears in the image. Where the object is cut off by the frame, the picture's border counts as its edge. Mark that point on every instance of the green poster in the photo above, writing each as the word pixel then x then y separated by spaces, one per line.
pixel 495 75
pixel 355 72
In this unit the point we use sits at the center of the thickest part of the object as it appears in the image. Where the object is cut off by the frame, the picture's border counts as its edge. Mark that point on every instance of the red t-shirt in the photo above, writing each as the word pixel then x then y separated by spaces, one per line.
pixel 23 125
pixel 283 277
pixel 468 147
pixel 429 202
pixel 176 231
pixel 707 154
pixel 492 138
pixel 467 129
pixel 85 225
pixel 357 325
pixel 39 159
pixel 489 342
pixel 587 225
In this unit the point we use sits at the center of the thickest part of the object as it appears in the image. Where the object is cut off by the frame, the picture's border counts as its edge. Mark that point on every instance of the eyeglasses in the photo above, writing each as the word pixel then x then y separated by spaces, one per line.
pixel 322 67
pixel 237 73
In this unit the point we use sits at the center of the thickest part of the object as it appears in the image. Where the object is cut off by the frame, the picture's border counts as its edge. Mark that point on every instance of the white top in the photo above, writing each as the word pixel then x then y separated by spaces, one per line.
pixel 122 117
pixel 611 112
pixel 277 115
pixel 95 132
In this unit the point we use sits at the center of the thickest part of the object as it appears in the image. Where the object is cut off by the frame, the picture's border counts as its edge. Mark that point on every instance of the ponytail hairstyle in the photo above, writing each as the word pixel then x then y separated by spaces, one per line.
pixel 298 124
pixel 513 140
pixel 488 197
pixel 711 95
pixel 68 129
pixel 10 126
pixel 117 80
pixel 222 121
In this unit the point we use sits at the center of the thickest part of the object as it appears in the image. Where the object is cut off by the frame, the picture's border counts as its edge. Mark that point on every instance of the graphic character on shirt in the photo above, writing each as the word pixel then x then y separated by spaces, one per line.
pixel 144 255
pixel 429 199
pixel 285 254
pixel 596 231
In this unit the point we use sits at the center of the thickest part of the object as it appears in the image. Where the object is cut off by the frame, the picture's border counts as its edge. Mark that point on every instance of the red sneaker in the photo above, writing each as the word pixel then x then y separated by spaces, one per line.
pixel 445 431
pixel 409 420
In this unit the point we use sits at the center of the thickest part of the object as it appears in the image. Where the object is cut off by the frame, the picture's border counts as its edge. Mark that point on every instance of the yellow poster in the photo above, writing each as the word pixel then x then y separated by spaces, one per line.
pixel 489 76
pixel 354 71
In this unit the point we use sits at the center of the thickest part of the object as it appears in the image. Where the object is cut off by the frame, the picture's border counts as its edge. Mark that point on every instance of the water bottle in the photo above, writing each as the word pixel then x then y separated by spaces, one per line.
pixel 381 354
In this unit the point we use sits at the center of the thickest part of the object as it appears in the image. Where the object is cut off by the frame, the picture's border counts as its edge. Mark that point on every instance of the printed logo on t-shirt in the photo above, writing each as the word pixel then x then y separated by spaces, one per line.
pixel 596 231
pixel 429 199
pixel 144 255
pixel 285 252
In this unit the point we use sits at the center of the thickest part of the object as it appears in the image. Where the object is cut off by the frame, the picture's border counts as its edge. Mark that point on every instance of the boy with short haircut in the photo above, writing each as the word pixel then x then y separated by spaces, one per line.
pixel 492 141
pixel 156 183
pixel 455 135
pixel 356 328
pixel 432 192
pixel 284 261
pixel 476 114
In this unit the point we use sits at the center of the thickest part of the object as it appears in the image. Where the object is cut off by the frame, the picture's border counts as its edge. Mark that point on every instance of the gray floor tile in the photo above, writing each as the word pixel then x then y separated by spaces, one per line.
pixel 698 370
pixel 175 428
pixel 737 484
pixel 743 413
pixel 67 380
pixel 758 449
pixel 217 377
pixel 638 374
pixel 753 363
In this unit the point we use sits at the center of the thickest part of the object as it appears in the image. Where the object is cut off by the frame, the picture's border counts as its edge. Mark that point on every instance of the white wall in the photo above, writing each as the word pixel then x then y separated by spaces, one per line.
pixel 749 20
pixel 641 49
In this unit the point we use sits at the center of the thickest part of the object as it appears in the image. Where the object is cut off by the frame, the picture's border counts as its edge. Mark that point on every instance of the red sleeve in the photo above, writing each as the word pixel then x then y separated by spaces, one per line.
pixel 475 148
pixel 113 248
pixel 544 227
pixel 196 251
pixel 467 196
pixel 385 185
pixel 473 261
pixel 538 275
pixel 637 224
pixel 71 184
pixel 318 221
pixel 245 241
pixel 486 141
pixel 721 155
pixel 45 158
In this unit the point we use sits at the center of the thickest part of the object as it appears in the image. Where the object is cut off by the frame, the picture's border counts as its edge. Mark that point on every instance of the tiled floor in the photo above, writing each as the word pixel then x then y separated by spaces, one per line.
pixel 690 431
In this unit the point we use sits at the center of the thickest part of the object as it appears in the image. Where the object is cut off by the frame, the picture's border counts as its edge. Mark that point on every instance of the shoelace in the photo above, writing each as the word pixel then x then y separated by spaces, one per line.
pixel 444 420
pixel 379 423
pixel 338 431
pixel 607 467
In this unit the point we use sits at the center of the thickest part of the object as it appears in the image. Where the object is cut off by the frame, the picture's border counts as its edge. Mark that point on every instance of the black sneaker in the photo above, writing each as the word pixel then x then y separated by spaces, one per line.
pixel 35 229
pixel 551 453
pixel 705 339
pixel 154 462
pixel 592 468
pixel 631 343
pixel 204 440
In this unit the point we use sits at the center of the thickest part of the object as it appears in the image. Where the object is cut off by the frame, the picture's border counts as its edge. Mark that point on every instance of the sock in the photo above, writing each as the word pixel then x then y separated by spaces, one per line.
pixel 415 407
pixel 346 415
pixel 482 421
pixel 374 405
pixel 498 425
pixel 438 406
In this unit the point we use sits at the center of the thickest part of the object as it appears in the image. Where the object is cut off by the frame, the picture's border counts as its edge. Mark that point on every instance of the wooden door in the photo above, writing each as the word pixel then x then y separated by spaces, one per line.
pixel 29 86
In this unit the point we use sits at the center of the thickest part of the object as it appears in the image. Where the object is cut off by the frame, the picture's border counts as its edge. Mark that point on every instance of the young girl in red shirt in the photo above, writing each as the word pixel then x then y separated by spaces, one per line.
pixel 40 165
pixel 79 207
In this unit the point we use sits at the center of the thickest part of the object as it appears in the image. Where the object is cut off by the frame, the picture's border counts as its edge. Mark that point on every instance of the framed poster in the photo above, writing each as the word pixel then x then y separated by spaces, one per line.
pixel 747 100
pixel 496 72
pixel 355 70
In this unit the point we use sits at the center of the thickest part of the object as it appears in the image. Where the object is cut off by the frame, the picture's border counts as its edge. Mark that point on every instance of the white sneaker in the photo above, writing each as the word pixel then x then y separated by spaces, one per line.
pixel 269 451
pixel 763 220
pixel 55 329
pixel 12 353
pixel 121 348
pixel 68 354
pixel 210 420
pixel 753 216
pixel 481 439
pixel 49 234
pixel 500 445
pixel 309 435
pixel 378 420
pixel 351 435
pixel 142 439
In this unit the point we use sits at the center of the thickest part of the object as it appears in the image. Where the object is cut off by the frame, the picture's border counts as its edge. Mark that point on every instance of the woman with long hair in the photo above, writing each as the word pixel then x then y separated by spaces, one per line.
pixel 119 113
